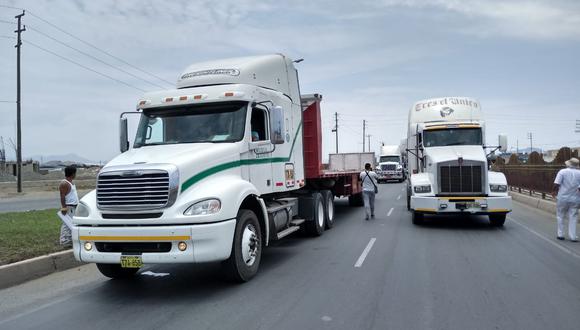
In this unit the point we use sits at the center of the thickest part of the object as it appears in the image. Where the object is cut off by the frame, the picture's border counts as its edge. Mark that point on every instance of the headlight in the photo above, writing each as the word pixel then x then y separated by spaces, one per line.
pixel 498 187
pixel 206 207
pixel 422 189
pixel 82 210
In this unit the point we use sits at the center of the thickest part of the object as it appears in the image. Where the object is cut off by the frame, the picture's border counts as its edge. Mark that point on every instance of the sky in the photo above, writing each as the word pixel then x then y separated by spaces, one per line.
pixel 371 60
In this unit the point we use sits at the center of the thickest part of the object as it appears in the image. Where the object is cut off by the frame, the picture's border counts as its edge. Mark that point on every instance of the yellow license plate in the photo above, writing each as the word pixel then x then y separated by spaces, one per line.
pixel 131 262
pixel 472 205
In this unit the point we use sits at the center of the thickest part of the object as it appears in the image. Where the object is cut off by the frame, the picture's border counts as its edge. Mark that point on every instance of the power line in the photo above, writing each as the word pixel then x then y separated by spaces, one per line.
pixel 2 101
pixel 6 22
pixel 97 48
pixel 7 37
pixel 93 57
pixel 84 67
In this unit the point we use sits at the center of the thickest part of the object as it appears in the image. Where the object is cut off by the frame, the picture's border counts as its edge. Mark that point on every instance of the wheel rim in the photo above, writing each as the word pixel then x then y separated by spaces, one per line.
pixel 250 245
pixel 320 215
pixel 330 204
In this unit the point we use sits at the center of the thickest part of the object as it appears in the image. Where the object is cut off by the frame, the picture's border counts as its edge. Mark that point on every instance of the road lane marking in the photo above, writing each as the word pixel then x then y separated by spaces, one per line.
pixel 398 197
pixel 390 211
pixel 546 239
pixel 365 252
pixel 150 273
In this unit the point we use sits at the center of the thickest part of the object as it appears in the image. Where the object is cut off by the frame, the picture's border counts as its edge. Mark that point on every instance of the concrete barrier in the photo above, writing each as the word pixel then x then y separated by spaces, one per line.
pixel 26 270
pixel 542 204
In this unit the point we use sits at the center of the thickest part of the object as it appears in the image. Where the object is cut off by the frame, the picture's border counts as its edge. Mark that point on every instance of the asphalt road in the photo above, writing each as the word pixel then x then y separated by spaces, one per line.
pixel 452 273
pixel 34 201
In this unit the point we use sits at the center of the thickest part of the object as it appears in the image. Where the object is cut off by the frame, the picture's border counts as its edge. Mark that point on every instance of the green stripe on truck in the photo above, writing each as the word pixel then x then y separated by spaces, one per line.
pixel 226 166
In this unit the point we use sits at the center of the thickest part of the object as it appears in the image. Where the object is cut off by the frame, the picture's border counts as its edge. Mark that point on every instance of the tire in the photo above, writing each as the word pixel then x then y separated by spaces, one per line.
pixel 408 202
pixel 315 227
pixel 497 220
pixel 115 271
pixel 246 254
pixel 418 218
pixel 328 199
pixel 356 200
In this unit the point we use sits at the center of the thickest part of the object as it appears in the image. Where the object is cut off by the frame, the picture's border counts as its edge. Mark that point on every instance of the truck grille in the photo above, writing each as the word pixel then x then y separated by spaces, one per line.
pixel 461 179
pixel 135 190
pixel 389 167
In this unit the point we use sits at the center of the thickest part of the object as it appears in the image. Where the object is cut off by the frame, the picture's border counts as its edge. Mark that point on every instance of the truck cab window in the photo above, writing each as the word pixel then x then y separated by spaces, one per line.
pixel 259 124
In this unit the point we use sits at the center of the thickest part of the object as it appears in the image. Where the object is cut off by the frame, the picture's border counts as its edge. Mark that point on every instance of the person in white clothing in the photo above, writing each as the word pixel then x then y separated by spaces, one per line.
pixel 567 189
pixel 68 202
pixel 369 187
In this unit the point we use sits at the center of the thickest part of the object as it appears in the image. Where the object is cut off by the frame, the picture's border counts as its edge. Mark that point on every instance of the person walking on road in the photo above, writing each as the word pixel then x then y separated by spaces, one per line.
pixel 68 202
pixel 369 187
pixel 567 188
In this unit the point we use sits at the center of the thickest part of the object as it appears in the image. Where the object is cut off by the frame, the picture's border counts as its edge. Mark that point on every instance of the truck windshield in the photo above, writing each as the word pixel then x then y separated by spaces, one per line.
pixel 452 137
pixel 394 159
pixel 224 122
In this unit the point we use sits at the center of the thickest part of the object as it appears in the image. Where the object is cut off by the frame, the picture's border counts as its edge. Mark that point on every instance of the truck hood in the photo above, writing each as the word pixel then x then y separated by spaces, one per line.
pixel 187 157
pixel 437 155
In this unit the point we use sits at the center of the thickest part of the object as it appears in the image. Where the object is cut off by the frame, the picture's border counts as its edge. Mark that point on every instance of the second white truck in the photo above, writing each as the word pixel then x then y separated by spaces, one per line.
pixel 390 164
pixel 448 162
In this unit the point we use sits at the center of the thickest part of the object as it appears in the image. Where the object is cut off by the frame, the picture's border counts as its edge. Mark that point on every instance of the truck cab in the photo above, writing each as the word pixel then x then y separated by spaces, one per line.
pixel 390 164
pixel 205 159
pixel 448 163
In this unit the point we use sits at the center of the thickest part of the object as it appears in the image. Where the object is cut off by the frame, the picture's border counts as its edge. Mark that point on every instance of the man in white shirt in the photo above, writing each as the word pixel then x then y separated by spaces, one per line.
pixel 68 202
pixel 369 185
pixel 567 187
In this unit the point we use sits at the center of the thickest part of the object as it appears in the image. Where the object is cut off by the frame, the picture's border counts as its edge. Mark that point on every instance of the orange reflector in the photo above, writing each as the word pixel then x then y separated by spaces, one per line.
pixel 229 94
pixel 183 98
pixel 143 102
pixel 168 99
pixel 197 97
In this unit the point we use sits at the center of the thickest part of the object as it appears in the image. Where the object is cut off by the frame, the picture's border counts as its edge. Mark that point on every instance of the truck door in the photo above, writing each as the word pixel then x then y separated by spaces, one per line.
pixel 260 168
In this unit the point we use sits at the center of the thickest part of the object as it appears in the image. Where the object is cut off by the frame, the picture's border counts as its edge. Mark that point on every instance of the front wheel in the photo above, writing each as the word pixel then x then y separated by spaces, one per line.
pixel 246 254
pixel 418 218
pixel 115 271
pixel 497 220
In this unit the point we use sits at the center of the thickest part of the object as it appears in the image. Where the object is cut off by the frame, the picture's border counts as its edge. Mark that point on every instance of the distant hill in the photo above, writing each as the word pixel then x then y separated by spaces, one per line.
pixel 67 158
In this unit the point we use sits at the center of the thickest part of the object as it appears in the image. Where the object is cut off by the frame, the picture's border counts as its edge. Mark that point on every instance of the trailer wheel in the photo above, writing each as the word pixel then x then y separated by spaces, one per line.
pixel 497 220
pixel 418 218
pixel 115 271
pixel 328 199
pixel 356 200
pixel 246 254
pixel 315 227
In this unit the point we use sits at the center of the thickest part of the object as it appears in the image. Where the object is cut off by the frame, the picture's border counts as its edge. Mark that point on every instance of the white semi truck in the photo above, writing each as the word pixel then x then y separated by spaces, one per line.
pixel 221 166
pixel 390 164
pixel 448 163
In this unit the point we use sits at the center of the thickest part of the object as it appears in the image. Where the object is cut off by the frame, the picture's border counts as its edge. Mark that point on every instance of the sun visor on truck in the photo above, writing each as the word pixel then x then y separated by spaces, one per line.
pixel 445 109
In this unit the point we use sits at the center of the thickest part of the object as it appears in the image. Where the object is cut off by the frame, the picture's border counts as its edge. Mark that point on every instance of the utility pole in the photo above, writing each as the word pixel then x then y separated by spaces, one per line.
pixel 369 136
pixel 335 130
pixel 531 138
pixel 364 126
pixel 517 147
pixel 18 119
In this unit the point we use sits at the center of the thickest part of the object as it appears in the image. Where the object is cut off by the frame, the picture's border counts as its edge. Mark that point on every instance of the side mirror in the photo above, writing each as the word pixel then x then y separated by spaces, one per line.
pixel 123 135
pixel 277 125
pixel 503 142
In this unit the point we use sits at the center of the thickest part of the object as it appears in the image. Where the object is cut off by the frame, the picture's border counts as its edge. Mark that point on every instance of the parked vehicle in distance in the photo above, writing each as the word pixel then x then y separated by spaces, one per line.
pixel 221 166
pixel 448 162
pixel 390 164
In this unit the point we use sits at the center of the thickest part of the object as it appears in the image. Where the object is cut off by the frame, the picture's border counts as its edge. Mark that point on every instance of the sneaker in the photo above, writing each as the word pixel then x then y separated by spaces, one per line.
pixel 574 240
pixel 561 238
pixel 372 216
pixel 367 217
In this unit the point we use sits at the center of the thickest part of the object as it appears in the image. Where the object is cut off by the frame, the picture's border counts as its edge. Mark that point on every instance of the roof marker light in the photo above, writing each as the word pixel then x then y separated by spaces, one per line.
pixel 183 98
pixel 229 94
pixel 168 99
pixel 197 97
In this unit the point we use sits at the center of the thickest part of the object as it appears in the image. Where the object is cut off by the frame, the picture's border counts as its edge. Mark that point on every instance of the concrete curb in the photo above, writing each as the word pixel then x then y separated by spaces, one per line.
pixel 26 270
pixel 542 204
